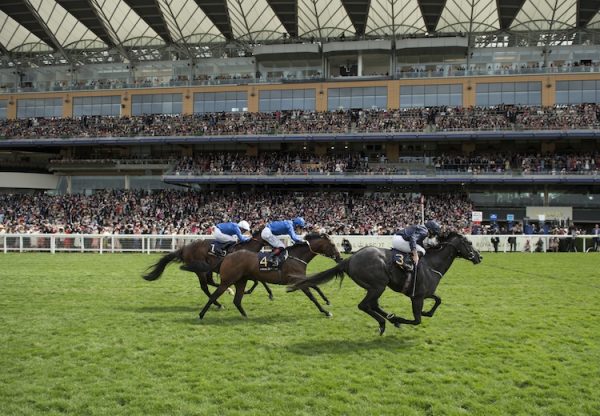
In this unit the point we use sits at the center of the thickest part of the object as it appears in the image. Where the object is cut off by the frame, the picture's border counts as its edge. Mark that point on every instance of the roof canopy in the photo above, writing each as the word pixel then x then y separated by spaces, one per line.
pixel 64 26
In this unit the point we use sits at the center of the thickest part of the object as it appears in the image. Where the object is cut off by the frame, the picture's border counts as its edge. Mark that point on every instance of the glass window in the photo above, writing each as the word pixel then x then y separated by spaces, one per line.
pixel 210 102
pixel 41 107
pixel 359 97
pixel 97 106
pixel 577 92
pixel 3 105
pixel 156 104
pixel 278 100
pixel 519 93
pixel 430 95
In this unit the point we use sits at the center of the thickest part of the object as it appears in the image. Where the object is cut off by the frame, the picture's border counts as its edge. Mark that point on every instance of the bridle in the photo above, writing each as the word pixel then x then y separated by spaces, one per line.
pixel 451 243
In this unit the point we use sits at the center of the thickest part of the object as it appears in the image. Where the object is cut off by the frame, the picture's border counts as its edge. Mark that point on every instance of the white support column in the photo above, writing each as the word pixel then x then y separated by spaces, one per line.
pixel 360 64
pixel 52 244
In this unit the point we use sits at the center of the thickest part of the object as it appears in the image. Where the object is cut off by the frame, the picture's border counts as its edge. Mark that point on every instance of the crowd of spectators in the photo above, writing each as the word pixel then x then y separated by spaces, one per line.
pixel 585 116
pixel 190 212
pixel 548 163
pixel 277 163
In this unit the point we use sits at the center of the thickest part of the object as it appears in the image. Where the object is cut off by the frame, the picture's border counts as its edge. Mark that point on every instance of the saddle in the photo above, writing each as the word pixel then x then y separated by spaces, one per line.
pixel 220 249
pixel 403 260
pixel 269 262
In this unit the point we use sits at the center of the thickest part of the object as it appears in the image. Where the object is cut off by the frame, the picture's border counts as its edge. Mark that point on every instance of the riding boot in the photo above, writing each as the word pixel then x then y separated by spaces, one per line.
pixel 407 283
pixel 275 253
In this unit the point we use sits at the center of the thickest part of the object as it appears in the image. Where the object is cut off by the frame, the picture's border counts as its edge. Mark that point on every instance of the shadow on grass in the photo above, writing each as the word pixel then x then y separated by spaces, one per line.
pixel 235 319
pixel 371 342
pixel 161 309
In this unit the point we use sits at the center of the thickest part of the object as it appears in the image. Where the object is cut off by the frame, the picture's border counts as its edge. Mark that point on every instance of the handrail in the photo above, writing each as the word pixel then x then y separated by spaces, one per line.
pixel 149 244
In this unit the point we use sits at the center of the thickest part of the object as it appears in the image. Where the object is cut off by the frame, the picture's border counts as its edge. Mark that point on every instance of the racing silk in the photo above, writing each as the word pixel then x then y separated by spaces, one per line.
pixel 231 228
pixel 415 235
pixel 284 228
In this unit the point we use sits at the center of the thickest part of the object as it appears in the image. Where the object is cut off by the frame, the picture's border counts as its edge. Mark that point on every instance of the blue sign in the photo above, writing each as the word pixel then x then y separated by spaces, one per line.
pixel 510 217
pixel 493 217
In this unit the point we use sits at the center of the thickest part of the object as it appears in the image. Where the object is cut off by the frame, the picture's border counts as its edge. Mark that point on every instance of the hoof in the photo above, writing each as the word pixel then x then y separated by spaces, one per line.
pixel 328 303
pixel 230 291
pixel 271 297
pixel 219 307
pixel 381 330
pixel 200 316
pixel 329 314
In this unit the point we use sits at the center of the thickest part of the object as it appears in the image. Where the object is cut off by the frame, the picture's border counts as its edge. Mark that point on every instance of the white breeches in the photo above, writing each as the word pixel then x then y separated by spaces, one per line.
pixel 401 244
pixel 222 237
pixel 268 236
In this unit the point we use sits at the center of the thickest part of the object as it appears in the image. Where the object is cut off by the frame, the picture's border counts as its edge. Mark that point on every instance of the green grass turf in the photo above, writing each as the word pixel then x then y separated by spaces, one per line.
pixel 518 334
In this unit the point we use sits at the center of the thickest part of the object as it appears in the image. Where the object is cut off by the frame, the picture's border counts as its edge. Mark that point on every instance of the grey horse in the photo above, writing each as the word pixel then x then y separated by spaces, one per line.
pixel 374 269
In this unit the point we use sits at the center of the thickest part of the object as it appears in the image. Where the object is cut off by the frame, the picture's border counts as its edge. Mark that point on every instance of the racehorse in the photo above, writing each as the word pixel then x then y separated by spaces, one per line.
pixel 241 266
pixel 373 269
pixel 196 255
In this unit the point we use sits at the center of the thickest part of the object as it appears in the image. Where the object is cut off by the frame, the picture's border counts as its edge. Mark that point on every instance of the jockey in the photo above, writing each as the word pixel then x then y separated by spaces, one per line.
pixel 410 240
pixel 277 228
pixel 230 232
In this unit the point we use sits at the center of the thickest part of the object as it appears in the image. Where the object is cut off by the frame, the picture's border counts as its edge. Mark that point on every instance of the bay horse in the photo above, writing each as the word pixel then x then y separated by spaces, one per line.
pixel 196 255
pixel 241 266
pixel 374 269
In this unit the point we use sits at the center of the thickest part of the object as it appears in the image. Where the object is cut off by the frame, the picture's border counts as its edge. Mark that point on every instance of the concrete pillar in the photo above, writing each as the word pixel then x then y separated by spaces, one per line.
pixel 548 147
pixel 252 150
pixel 187 107
pixel 468 147
pixel 67 106
pixel 321 99
pixel 126 105
pixel 392 152
pixel 548 92
pixel 320 149
pixel 252 100
pixel 11 108
pixel 393 98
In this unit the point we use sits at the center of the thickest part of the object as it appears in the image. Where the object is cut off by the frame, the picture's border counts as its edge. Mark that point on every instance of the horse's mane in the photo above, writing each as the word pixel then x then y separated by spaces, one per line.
pixel 314 235
pixel 447 236
pixel 444 239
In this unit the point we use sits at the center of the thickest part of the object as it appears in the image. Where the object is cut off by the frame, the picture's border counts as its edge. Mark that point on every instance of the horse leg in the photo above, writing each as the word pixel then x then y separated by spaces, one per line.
pixel 365 305
pixel 240 285
pixel 249 291
pixel 268 289
pixel 417 308
pixel 319 307
pixel 437 303
pixel 204 286
pixel 389 316
pixel 320 292
pixel 222 288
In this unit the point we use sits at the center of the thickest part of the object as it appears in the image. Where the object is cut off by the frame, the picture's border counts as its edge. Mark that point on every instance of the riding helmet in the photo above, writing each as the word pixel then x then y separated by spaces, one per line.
pixel 433 227
pixel 299 222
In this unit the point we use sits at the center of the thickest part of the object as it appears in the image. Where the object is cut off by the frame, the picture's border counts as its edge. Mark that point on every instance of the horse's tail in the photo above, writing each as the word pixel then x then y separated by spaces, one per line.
pixel 159 267
pixel 320 278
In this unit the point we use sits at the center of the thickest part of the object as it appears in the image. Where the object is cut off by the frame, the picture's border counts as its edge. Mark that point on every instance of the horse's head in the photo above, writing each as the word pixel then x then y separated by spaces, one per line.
pixel 322 244
pixel 463 247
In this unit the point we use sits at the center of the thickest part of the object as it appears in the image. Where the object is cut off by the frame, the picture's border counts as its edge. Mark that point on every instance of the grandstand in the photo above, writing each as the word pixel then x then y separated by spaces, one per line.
pixel 491 101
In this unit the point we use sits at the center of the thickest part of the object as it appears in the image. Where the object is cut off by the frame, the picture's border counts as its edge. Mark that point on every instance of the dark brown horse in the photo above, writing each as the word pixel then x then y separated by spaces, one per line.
pixel 195 256
pixel 241 266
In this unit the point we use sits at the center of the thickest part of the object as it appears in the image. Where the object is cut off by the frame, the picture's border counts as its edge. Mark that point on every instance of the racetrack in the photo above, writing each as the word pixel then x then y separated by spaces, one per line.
pixel 518 334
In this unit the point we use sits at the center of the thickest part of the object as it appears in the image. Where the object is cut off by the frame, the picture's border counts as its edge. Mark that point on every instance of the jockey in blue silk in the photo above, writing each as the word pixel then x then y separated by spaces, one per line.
pixel 276 228
pixel 410 240
pixel 229 232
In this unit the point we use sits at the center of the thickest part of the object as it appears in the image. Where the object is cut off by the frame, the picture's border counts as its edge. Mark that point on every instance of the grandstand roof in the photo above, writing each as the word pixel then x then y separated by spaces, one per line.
pixel 132 28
